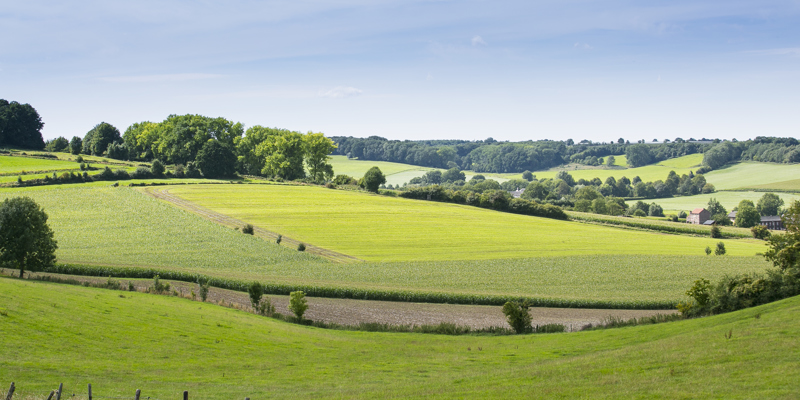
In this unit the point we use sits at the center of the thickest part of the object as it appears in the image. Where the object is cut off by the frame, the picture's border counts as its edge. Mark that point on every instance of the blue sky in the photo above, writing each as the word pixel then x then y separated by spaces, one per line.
pixel 595 70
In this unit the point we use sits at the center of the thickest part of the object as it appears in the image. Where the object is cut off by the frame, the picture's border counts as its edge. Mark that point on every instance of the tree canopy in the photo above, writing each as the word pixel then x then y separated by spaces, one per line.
pixel 373 179
pixel 769 204
pixel 216 160
pixel 26 242
pixel 98 138
pixel 20 126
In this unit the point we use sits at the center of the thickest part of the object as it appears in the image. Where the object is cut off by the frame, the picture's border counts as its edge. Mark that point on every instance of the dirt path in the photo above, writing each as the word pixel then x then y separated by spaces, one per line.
pixel 353 312
pixel 163 194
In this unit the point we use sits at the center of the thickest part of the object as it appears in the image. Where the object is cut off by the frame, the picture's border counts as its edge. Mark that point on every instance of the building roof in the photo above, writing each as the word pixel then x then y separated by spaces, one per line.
pixel 698 210
pixel 732 214
pixel 771 218
pixel 709 222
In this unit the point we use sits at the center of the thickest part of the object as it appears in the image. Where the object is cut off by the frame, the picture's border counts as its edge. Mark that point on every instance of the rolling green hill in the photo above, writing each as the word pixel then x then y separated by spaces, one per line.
pixel 380 228
pixel 16 165
pixel 750 174
pixel 728 199
pixel 122 341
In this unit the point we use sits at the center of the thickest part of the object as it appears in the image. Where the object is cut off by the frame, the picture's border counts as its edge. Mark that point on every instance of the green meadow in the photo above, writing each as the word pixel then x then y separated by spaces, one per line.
pixel 381 228
pixel 750 174
pixel 16 165
pixel 123 341
pixel 648 173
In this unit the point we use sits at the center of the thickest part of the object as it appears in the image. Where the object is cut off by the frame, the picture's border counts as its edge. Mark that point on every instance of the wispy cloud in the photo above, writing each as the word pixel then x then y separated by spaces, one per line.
pixel 787 51
pixel 579 45
pixel 478 41
pixel 341 92
pixel 159 78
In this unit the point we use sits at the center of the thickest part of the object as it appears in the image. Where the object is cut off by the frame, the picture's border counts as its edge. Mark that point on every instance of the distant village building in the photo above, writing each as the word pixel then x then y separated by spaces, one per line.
pixel 772 222
pixel 516 193
pixel 698 216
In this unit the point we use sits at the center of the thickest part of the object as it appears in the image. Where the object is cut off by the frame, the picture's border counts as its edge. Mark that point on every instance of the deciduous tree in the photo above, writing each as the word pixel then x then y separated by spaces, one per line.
pixel 26 241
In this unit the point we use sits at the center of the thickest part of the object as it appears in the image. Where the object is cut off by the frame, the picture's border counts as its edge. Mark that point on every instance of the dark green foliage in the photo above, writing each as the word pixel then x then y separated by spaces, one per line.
pixel 716 208
pixel 57 145
pixel 255 290
pixel 76 145
pixel 527 175
pixel 26 241
pixel 769 204
pixel 720 250
pixel 159 287
pixel 760 232
pixel 20 126
pixel 248 229
pixel 708 250
pixel 107 174
pixel 216 160
pixel 298 304
pixel 549 328
pixel 301 247
pixel 157 169
pixel 453 175
pixel 117 151
pixel 715 232
pixel 518 316
pixel 639 155
pixel 191 170
pixel 655 210
pixel 639 213
pixel 278 240
pixel 97 140
pixel 203 284
pixel 721 154
pixel 344 180
pixel 746 215
pixel 373 179
pixel 142 173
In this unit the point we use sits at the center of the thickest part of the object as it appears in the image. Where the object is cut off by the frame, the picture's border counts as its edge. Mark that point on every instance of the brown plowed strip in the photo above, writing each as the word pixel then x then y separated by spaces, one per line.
pixel 222 219
pixel 353 312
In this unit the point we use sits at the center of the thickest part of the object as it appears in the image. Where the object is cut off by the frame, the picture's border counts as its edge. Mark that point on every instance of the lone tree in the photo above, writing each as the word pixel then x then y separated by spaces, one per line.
pixel 373 179
pixel 298 304
pixel 518 316
pixel 26 242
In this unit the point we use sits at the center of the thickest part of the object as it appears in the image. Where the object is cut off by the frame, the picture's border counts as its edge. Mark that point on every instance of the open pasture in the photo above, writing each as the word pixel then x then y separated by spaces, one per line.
pixel 380 228
pixel 123 341
pixel 15 165
pixel 648 173
pixel 751 174
pixel 728 199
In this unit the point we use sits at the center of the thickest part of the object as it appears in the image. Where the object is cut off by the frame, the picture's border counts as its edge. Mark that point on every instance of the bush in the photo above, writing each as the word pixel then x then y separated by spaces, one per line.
pixel 121 174
pixel 159 287
pixel 298 304
pixel 247 229
pixel 265 307
pixel 715 232
pixel 255 290
pixel 157 169
pixel 708 250
pixel 301 247
pixel 518 316
pixel 682 214
pixel 107 174
pixel 203 288
pixel 278 241
pixel 141 173
pixel 760 232
pixel 550 328
pixel 720 249
pixel 639 213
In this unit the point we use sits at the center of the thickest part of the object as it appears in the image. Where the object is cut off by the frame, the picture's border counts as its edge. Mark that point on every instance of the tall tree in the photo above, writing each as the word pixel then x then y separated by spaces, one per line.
pixel 317 148
pixel 283 155
pixel 216 160
pixel 373 179
pixel 769 204
pixel 638 155
pixel 20 126
pixel 97 140
pixel 26 242
pixel 746 215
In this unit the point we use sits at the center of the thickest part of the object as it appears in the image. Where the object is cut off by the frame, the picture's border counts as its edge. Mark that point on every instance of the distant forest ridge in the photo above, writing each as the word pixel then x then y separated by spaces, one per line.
pixel 513 157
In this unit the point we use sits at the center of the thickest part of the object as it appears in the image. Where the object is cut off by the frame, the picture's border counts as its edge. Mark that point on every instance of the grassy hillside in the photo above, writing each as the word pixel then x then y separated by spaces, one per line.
pixel 396 173
pixel 750 174
pixel 16 165
pixel 727 198
pixel 120 341
pixel 653 172
pixel 380 228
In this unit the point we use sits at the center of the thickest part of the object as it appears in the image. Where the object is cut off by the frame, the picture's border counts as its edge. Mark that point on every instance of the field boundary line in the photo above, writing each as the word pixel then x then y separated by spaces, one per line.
pixel 222 219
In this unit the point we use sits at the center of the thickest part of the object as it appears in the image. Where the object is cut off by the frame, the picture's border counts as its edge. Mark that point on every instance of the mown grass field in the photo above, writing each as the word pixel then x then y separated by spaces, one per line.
pixel 728 199
pixel 380 228
pixel 122 341
pixel 396 173
pixel 792 185
pixel 750 174
pixel 99 225
pixel 17 164
pixel 648 173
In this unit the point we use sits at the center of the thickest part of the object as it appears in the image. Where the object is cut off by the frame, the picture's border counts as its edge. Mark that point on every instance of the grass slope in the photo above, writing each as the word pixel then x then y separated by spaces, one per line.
pixel 379 228
pixel 728 200
pixel 16 165
pixel 750 174
pixel 120 342
pixel 653 172
pixel 396 173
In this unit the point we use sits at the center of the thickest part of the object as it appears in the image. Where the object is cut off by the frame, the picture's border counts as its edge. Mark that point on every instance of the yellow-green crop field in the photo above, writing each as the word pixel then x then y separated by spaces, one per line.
pixel 123 341
pixel 380 228
pixel 648 173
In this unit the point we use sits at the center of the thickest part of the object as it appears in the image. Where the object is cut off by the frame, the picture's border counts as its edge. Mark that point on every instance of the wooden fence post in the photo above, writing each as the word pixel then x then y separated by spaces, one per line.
pixel 90 391
pixel 185 395
pixel 10 391
pixel 60 389
pixel 52 393
pixel 138 393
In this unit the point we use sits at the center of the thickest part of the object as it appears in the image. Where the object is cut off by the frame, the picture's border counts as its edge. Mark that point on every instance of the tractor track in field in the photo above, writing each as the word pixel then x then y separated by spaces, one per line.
pixel 164 195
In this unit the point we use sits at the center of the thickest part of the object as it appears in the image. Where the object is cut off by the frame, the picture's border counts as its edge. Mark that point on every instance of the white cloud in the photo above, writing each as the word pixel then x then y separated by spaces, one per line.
pixel 477 40
pixel 341 92
pixel 159 78
pixel 584 46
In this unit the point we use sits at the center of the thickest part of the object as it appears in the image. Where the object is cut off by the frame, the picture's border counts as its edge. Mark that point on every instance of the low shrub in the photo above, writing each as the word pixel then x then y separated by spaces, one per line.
pixel 720 250
pixel 301 247
pixel 298 304
pixel 715 232
pixel 760 232
pixel 518 316
pixel 248 229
